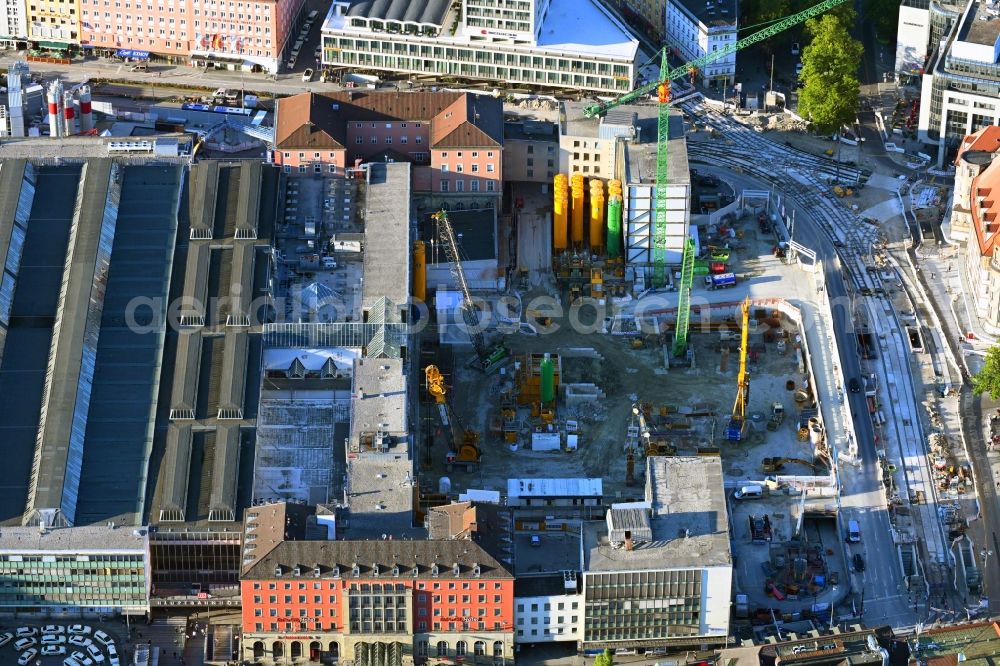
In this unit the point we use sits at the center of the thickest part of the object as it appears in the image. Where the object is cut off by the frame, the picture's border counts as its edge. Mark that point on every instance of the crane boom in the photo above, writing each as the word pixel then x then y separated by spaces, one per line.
pixel 708 58
pixel 446 237
pixel 738 421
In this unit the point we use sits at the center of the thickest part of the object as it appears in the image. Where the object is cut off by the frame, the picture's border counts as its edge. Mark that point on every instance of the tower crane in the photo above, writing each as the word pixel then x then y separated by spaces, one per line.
pixel 464 444
pixel 487 360
pixel 662 88
pixel 738 421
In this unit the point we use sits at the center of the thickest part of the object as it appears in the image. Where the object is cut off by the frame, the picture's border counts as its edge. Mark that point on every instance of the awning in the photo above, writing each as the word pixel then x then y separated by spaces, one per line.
pixel 234 60
pixel 87 46
pixel 132 53
pixel 53 44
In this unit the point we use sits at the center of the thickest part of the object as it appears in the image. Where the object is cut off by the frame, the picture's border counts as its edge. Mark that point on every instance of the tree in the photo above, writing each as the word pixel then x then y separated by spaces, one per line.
pixel 987 380
pixel 605 659
pixel 829 66
pixel 885 15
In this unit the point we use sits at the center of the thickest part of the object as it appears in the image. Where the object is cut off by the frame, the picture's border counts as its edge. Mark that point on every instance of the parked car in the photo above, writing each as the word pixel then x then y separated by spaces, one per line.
pixel 81 629
pixel 307 75
pixel 70 661
pixel 111 649
pixel 859 562
pixel 23 632
pixel 24 643
pixel 854 385
pixel 53 629
pixel 80 641
pixel 103 638
pixel 27 657
pixel 795 48
pixel 53 639
pixel 52 650
pixel 83 659
pixel 5 638
pixel 113 661
pixel 95 653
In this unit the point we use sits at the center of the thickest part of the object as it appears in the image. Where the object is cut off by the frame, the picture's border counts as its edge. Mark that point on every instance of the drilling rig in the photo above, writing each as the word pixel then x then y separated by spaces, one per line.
pixel 463 445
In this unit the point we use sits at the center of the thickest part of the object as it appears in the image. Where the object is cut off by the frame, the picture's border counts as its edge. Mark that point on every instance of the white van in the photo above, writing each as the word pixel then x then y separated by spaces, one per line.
pixel 749 492
pixel 853 532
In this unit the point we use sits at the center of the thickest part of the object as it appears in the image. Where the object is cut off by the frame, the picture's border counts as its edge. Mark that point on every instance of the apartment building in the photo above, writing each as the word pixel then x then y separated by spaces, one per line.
pixel 379 601
pixel 974 222
pixel 13 23
pixel 539 44
pixel 238 34
pixel 696 28
pixel 921 27
pixel 659 572
pixel 960 86
pixel 454 141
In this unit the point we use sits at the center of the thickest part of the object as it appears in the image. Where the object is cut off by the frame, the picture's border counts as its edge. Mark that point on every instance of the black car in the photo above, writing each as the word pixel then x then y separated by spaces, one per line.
pixel 854 385
pixel 859 562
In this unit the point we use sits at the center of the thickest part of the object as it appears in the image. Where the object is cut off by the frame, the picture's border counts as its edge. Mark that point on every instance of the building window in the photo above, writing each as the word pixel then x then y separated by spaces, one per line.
pixel 441 649
pixel 388 139
pixel 421 648
pixel 459 185
pixel 403 139
pixel 359 139
pixel 444 185
pixel 474 186
pixel 490 185
pixel 333 168
pixel 374 139
pixel 302 168
pixel 418 139
pixel 460 649
pixel 444 168
pixel 475 168
pixel 489 168
pixel 459 168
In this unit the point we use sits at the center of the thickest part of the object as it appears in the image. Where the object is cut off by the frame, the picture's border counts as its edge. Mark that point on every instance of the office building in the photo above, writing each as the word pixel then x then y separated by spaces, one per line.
pixel 531 151
pixel 249 35
pixel 53 24
pixel 659 572
pixel 81 570
pixel 376 602
pixel 960 86
pixel 696 28
pixel 548 608
pixel 538 44
pixel 973 223
pixel 649 16
pixel 921 27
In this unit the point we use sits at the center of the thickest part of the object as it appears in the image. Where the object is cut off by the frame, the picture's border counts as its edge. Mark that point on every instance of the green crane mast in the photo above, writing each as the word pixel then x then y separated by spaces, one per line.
pixel 662 88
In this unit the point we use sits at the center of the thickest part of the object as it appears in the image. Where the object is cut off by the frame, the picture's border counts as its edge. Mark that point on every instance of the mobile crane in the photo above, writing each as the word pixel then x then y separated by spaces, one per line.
pixel 662 89
pixel 738 421
pixel 463 447
pixel 487 360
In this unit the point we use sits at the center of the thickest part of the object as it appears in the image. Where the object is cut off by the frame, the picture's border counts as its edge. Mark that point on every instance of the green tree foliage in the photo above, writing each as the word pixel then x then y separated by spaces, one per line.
pixel 885 15
pixel 606 659
pixel 829 66
pixel 987 380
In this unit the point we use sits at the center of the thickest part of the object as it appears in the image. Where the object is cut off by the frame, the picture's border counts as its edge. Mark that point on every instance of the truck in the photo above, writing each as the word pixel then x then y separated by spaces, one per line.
pixel 720 281
pixel 353 80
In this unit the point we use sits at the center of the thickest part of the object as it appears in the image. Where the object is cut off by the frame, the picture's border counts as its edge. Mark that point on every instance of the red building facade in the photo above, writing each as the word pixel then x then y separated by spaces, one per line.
pixel 395 602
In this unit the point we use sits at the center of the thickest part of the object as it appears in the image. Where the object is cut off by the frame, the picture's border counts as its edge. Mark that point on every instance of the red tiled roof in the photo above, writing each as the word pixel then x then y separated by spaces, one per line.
pixel 985 207
pixel 457 119
pixel 986 140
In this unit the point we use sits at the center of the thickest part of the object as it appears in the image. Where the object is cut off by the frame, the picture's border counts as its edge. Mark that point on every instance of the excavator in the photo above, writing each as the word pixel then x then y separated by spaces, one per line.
pixel 463 446
pixel 770 465
pixel 738 422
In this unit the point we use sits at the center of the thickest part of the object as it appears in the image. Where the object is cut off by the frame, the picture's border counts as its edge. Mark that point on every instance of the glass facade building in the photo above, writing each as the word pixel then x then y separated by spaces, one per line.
pixel 74 569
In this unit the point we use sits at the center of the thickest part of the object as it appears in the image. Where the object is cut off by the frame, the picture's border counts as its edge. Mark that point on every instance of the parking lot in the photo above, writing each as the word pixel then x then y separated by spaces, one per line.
pixel 71 644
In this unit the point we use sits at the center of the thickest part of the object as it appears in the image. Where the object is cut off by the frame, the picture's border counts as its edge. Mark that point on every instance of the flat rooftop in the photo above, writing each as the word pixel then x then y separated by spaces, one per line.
pixel 379 399
pixel 88 539
pixel 554 488
pixel 584 28
pixel 640 162
pixel 713 13
pixel 980 25
pixel 560 551
pixel 387 234
pixel 81 147
pixel 689 521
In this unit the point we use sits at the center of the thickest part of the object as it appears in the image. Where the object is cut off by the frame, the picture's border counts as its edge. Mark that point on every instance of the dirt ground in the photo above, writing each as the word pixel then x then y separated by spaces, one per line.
pixel 626 375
